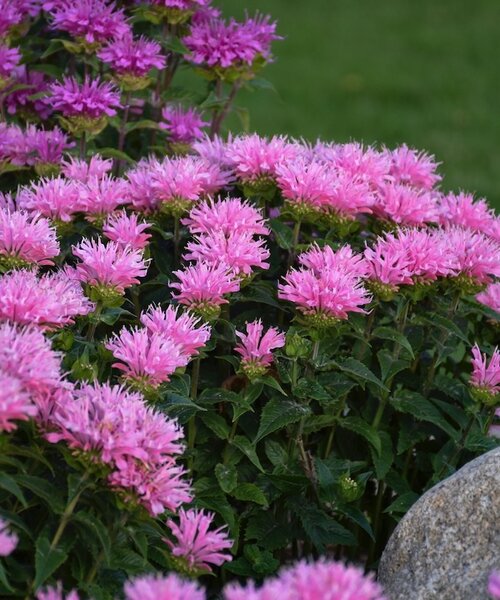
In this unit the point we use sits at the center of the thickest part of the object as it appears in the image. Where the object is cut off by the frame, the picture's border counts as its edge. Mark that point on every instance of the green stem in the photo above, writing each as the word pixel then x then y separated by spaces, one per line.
pixel 331 437
pixel 66 516
pixel 456 454
pixel 195 376
pixel 177 240
pixel 123 132
pixel 220 115
pixel 376 521
pixel 489 421
pixel 83 146
pixel 295 242
pixel 95 320
pixel 230 439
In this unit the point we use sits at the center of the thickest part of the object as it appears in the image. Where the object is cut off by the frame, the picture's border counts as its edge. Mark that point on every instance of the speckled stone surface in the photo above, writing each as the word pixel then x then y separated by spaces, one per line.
pixel 449 541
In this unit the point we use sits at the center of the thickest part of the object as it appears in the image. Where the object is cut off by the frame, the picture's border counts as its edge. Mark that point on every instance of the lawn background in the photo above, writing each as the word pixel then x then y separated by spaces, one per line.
pixel 424 72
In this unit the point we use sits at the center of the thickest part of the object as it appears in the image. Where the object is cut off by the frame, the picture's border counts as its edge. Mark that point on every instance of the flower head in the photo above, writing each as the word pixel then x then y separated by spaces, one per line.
pixel 24 100
pixel 100 197
pixel 45 148
pixel 57 198
pixel 230 215
pixel 491 297
pixel 405 205
pixel 388 265
pixel 485 378
pixel 9 59
pixel 320 259
pixel 126 230
pixel 49 302
pixel 413 168
pixel 463 210
pixel 256 347
pixel 8 540
pixel 202 288
pixel 197 547
pixel 83 171
pixel 157 587
pixel 142 194
pixel 26 240
pixel 183 126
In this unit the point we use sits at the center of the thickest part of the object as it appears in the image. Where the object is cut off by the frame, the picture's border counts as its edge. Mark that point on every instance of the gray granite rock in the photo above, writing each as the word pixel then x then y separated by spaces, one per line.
pixel 449 541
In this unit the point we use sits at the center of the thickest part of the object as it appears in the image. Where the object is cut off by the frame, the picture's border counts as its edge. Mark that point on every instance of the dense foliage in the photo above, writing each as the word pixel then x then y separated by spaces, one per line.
pixel 217 355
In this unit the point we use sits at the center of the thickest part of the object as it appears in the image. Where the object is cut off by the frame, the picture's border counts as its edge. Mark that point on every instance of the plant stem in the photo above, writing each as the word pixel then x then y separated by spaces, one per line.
pixel 95 320
pixel 331 437
pixel 66 516
pixel 83 146
pixel 376 520
pixel 177 240
pixel 220 115
pixel 123 132
pixel 195 376
pixel 295 242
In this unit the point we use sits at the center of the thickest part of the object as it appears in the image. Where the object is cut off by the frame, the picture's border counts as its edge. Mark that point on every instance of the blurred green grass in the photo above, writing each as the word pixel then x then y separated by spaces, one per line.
pixel 424 72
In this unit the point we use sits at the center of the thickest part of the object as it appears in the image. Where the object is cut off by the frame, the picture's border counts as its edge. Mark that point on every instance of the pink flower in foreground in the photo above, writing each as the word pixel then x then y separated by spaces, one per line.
pixel 109 268
pixel 239 251
pixel 255 348
pixel 129 57
pixel 405 205
pixel 183 329
pixel 9 59
pixel 202 288
pixel 158 587
pixel 83 171
pixel 50 302
pixel 142 194
pixel 25 240
pixel 463 210
pixel 56 593
pixel 99 197
pixel 494 585
pixel 8 540
pixel 413 168
pixel 213 151
pixel 196 544
pixel 388 265
pixel 485 378
pixel 491 297
pixel 92 21
pixel 183 126
pixel 311 581
pixel 320 259
pixel 230 215
pixel 126 230
pixel 56 198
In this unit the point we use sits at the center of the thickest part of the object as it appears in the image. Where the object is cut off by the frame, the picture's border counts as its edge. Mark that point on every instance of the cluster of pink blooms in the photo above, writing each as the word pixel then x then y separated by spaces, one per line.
pixel 167 341
pixel 8 540
pixel 485 378
pixel 255 348
pixel 132 58
pixel 9 60
pixel 14 12
pixel 126 230
pixel 86 170
pixel 21 97
pixel 327 286
pixel 183 126
pixel 56 198
pixel 196 546
pixel 215 44
pixel 115 428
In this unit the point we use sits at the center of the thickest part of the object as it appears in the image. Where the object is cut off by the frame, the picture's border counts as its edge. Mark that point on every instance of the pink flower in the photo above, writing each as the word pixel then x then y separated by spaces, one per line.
pixel 388 266
pixel 10 15
pixel 21 100
pixel 99 197
pixel 158 587
pixel 15 404
pixel 183 126
pixel 320 259
pixel 181 4
pixel 256 348
pixel 92 21
pixel 405 205
pixel 142 193
pixel 494 585
pixel 26 239
pixel 231 215
pixel 213 151
pixel 56 593
pixel 413 168
pixel 50 302
pixel 485 378
pixel 216 44
pixel 8 540
pixel 9 59
pixel 461 209
pixel 183 329
pixel 126 230
pixel 46 148
pixel 146 359
pixel 491 297
pixel 91 99
pixel 132 57
pixel 311 581
pixel 239 251
pixel 109 266
pixel 83 171
pixel 196 544
pixel 203 287
pixel 56 198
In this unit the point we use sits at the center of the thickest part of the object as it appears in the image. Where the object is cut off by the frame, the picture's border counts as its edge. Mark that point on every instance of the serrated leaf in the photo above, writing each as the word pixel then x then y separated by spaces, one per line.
pixel 272 383
pixel 179 407
pixel 47 560
pixel 282 233
pixel 361 427
pixel 403 503
pixel 390 366
pixel 227 476
pixel 217 424
pixel 310 389
pixel 245 446
pixel 387 333
pixel 422 409
pixel 251 493
pixel 267 531
pixel 321 529
pixel 278 414
pixel 44 490
pixel 92 523
pixel 383 461
pixel 115 153
pixel 9 484
pixel 359 371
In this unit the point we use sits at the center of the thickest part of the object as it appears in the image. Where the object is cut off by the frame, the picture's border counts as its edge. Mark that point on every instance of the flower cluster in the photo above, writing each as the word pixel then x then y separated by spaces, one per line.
pixel 126 230
pixel 9 59
pixel 25 96
pixel 183 127
pixel 256 347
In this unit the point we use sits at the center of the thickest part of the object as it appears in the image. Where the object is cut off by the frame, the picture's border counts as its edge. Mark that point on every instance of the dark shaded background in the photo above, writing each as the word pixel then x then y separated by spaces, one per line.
pixel 424 72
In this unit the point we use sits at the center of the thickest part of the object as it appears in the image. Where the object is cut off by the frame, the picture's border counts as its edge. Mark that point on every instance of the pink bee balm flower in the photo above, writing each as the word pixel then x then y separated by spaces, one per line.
pixel 56 593
pixel 494 585
pixel 26 240
pixel 406 206
pixel 108 269
pixel 58 199
pixel 183 329
pixel 126 230
pixel 99 197
pixel 141 193
pixel 92 22
pixel 239 251
pixel 20 100
pixel 491 297
pixel 8 540
pixel 231 215
pixel 463 210
pixel 15 404
pixel 202 288
pixel 485 378
pixel 83 171
pixel 256 348
pixel 50 302
pixel 213 151
pixel 388 266
pixel 9 59
pixel 146 359
pixel 320 259
pixel 196 544
pixel 311 581
pixel 46 148
pixel 414 168
pixel 157 587
pixel 183 126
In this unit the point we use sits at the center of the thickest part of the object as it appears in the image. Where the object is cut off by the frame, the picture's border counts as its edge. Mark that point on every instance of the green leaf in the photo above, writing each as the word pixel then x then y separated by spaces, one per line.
pixel 251 493
pixel 267 530
pixel 227 476
pixel 4 581
pixel 390 366
pixel 361 427
pixel 402 503
pixel 359 371
pixel 358 517
pixel 9 484
pixel 114 153
pixel 179 407
pixel 262 561
pixel 142 124
pixel 282 233
pixel 53 47
pixel 383 461
pixel 175 45
pixel 44 490
pixel 217 424
pixel 310 389
pixel 276 454
pixel 47 560
pixel 245 446
pixel 99 531
pixel 321 529
pixel 387 333
pixel 422 409
pixel 272 383
pixel 277 414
